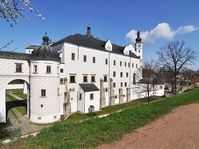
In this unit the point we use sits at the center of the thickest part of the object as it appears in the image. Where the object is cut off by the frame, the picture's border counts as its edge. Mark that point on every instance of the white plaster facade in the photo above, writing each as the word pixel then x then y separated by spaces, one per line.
pixel 118 70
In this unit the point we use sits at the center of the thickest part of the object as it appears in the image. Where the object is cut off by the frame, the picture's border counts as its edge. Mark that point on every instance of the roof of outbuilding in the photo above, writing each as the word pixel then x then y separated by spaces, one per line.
pixel 92 42
pixel 88 87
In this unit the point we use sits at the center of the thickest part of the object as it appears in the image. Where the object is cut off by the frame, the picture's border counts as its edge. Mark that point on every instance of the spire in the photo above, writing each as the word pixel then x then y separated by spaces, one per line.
pixel 138 39
pixel 45 39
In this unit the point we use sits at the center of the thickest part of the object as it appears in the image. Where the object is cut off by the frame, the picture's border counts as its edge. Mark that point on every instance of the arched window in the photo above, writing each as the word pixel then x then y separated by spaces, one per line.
pixel 91 109
pixel 134 78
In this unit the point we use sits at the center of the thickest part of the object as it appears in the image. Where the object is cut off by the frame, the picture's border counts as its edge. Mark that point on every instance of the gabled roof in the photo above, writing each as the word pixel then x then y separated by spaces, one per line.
pixel 14 55
pixel 92 42
pixel 32 47
pixel 88 87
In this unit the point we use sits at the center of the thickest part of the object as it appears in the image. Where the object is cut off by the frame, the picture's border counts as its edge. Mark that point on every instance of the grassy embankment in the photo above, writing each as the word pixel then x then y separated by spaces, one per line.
pixel 96 131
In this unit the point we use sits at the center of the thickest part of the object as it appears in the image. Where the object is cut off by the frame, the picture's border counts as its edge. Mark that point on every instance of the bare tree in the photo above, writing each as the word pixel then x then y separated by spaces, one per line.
pixel 174 56
pixel 149 79
pixel 11 10
pixel 6 45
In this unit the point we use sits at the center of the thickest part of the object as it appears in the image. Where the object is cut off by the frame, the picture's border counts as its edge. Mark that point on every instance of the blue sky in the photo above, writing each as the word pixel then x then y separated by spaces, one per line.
pixel 159 22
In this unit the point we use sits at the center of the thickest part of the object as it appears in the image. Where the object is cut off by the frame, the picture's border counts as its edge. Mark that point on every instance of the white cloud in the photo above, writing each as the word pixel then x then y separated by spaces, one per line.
pixel 161 31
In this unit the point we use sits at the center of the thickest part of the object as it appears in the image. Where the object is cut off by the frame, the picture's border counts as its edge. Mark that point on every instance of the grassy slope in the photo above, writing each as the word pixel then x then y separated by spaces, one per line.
pixel 94 132
pixel 110 109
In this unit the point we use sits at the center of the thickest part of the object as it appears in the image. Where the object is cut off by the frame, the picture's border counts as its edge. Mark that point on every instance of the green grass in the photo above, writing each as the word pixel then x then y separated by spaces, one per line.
pixel 3 129
pixel 18 92
pixel 22 110
pixel 96 131
pixel 110 109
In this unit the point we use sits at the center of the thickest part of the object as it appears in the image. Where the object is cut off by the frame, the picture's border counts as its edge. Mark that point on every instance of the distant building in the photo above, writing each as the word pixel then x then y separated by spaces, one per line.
pixel 79 73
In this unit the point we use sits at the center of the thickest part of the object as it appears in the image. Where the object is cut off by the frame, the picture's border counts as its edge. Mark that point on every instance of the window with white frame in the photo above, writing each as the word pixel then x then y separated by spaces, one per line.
pixel 114 74
pixel 72 79
pixel 92 78
pixel 48 69
pixel 84 58
pixel 35 69
pixel 106 61
pixel 105 78
pixel 85 78
pixel 43 93
pixel 72 56
pixel 91 96
pixel 18 67
pixel 94 60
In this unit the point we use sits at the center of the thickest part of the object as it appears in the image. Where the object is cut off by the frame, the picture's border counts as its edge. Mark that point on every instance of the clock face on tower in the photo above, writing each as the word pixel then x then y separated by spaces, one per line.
pixel 139 45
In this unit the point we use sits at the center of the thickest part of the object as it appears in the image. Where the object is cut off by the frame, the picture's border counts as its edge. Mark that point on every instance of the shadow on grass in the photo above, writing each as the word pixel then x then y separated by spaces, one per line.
pixel 15 104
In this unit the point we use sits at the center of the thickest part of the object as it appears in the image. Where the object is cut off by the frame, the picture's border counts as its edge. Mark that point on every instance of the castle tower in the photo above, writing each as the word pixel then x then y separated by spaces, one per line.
pixel 44 84
pixel 138 45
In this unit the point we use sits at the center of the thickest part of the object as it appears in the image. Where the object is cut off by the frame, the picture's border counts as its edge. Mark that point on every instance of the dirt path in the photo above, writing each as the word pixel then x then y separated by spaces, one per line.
pixel 177 130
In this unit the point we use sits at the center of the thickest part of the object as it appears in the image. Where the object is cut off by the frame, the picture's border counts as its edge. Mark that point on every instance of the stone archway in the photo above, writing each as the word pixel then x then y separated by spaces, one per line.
pixel 4 81
pixel 17 97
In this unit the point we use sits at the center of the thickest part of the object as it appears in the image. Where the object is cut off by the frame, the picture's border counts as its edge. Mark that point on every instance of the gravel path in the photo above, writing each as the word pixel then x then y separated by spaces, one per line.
pixel 177 130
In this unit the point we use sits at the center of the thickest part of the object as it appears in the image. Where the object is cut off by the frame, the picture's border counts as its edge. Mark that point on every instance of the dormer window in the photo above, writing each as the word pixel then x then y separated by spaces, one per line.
pixel 108 45
pixel 126 50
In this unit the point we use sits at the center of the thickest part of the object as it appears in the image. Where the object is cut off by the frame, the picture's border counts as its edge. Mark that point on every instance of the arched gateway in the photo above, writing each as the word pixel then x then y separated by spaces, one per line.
pixel 40 70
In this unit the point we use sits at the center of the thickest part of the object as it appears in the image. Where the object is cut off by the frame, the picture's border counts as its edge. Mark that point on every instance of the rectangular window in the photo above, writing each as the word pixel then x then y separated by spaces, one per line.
pixel 48 69
pixel 114 74
pixel 105 78
pixel 125 64
pixel 18 68
pixel 94 60
pixel 106 61
pixel 121 74
pixel 35 69
pixel 127 75
pixel 120 63
pixel 92 78
pixel 62 81
pixel 128 64
pixel 114 62
pixel 125 84
pixel 132 65
pixel 84 58
pixel 72 79
pixel 114 85
pixel 43 93
pixel 85 78
pixel 121 84
pixel 72 56
pixel 136 65
pixel 80 96
pixel 91 96
pixel 61 70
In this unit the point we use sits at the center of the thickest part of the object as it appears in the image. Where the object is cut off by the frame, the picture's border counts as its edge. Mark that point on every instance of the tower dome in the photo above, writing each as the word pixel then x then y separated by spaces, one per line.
pixel 45 51
pixel 138 39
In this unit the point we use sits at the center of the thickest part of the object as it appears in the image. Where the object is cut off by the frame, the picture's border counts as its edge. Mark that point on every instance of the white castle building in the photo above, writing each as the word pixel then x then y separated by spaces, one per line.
pixel 79 73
